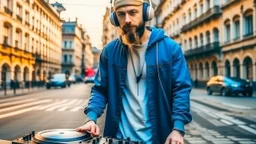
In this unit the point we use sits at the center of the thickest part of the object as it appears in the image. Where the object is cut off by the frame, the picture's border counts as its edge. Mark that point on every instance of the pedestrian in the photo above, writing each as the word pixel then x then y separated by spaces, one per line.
pixel 142 79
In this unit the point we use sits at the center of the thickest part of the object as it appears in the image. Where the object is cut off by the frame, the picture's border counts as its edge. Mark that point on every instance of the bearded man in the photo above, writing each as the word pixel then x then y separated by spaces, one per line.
pixel 142 79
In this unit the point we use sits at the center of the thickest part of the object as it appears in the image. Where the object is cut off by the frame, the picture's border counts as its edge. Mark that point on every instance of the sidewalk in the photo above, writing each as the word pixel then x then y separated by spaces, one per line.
pixel 10 92
pixel 238 104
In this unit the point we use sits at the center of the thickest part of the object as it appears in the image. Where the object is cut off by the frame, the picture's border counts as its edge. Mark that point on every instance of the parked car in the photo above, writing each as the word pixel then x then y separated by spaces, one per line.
pixel 58 80
pixel 229 86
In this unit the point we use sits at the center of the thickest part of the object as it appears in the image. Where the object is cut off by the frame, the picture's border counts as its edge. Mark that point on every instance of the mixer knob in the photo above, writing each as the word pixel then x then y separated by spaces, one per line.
pixel 94 141
pixel 29 136
pixel 33 133
pixel 110 141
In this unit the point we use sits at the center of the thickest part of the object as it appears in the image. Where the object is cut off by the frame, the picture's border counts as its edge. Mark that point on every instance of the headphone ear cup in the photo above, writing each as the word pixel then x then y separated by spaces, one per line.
pixel 148 12
pixel 114 20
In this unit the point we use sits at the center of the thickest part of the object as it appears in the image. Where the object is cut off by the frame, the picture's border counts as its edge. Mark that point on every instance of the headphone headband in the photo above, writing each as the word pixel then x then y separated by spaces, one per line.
pixel 148 13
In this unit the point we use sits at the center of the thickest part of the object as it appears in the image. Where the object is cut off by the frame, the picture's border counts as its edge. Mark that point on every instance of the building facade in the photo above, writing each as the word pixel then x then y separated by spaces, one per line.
pixel 30 40
pixel 88 52
pixel 109 31
pixel 73 48
pixel 218 37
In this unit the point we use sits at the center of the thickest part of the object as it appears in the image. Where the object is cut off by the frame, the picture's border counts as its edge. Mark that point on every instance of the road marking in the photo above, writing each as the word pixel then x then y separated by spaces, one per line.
pixel 17 112
pixel 16 102
pixel 50 105
pixel 248 129
pixel 226 122
pixel 63 108
pixel 61 105
pixel 77 108
pixel 25 105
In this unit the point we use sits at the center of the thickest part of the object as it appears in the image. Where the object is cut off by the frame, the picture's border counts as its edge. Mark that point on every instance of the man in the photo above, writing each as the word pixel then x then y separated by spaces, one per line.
pixel 143 79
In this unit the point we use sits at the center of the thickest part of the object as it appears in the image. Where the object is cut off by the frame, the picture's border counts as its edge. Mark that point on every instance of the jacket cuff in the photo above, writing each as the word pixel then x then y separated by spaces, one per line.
pixel 92 116
pixel 179 125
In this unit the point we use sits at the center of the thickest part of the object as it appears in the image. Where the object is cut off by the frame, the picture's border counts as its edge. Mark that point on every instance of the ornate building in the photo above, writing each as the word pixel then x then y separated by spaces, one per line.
pixel 218 37
pixel 109 31
pixel 30 40
pixel 73 48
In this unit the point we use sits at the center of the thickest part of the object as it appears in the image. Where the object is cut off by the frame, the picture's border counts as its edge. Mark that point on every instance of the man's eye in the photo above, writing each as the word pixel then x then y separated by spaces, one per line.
pixel 120 14
pixel 133 13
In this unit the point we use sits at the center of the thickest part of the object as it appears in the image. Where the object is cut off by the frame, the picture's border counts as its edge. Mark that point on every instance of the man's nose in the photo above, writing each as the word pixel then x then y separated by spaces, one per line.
pixel 127 18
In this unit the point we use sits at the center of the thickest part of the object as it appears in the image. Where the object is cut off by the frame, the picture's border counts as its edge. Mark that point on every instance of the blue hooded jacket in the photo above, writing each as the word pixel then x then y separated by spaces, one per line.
pixel 168 86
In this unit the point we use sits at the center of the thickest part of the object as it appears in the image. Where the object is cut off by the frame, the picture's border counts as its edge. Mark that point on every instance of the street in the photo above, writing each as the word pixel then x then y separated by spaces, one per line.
pixel 216 119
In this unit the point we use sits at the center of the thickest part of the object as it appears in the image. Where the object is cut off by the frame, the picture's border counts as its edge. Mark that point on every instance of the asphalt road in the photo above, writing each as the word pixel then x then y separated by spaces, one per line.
pixel 216 120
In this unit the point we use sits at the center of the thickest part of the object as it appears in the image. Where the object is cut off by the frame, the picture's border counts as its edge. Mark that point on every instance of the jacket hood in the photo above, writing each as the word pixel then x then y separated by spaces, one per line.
pixel 157 34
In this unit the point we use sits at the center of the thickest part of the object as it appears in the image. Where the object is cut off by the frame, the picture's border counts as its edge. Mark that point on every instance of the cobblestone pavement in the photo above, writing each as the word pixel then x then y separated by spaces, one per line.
pixel 212 126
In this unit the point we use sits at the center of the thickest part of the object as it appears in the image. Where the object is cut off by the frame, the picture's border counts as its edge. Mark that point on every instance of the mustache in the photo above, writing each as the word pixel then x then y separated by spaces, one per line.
pixel 127 27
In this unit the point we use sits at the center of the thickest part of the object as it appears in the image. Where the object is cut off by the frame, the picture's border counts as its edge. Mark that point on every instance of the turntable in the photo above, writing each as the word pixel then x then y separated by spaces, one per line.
pixel 68 136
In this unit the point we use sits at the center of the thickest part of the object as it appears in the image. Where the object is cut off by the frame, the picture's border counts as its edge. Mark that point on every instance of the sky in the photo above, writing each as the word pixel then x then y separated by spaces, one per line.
pixel 89 13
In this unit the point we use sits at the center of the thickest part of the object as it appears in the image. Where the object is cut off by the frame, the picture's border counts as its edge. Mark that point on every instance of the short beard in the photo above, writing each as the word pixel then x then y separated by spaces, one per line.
pixel 130 37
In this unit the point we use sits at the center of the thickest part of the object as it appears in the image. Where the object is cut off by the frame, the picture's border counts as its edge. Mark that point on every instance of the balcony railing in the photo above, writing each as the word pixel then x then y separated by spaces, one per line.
pixel 67 64
pixel 209 48
pixel 211 13
pixel 8 10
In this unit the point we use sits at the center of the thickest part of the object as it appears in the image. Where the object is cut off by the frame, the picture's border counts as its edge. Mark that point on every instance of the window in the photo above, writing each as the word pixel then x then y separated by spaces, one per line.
pixel 32 47
pixel 190 43
pixel 189 15
pixel 65 44
pixel 27 16
pixel 19 10
pixel 184 19
pixel 208 4
pixel 70 44
pixel 201 8
pixel 236 29
pixel 208 37
pixel 216 35
pixel 201 39
pixel 26 44
pixel 196 42
pixel 195 11
pixel 8 3
pixel 65 58
pixel 33 21
pixel 6 35
pixel 18 39
pixel 70 58
pixel 227 31
pixel 248 25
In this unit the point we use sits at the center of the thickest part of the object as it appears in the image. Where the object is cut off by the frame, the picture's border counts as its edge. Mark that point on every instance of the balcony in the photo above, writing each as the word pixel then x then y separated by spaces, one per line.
pixel 27 23
pixel 229 3
pixel 67 64
pixel 8 10
pixel 19 18
pixel 210 14
pixel 206 49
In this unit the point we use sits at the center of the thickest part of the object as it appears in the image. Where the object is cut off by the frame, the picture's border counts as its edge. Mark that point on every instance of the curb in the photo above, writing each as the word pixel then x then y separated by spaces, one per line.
pixel 21 94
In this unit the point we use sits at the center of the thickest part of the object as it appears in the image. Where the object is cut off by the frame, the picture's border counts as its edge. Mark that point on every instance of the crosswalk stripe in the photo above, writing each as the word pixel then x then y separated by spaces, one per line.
pixel 249 129
pixel 77 108
pixel 226 122
pixel 63 108
pixel 61 105
pixel 25 105
pixel 17 112
pixel 50 105
pixel 16 102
